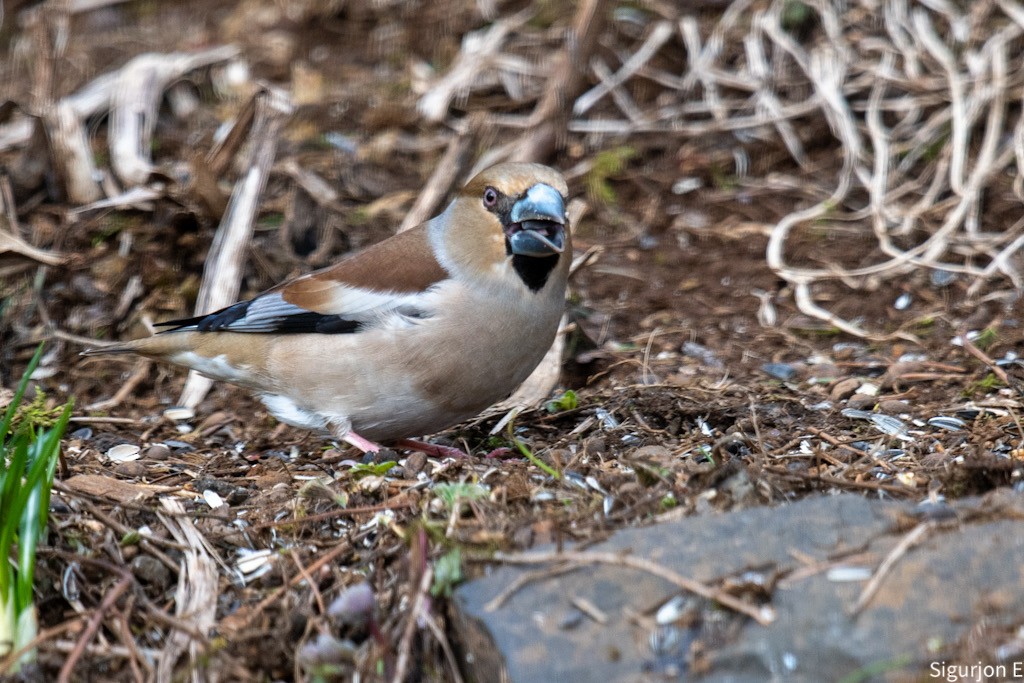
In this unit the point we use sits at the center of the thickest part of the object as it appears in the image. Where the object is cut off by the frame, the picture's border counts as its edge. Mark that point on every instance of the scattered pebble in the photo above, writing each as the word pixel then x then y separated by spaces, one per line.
pixel 83 433
pixel 868 389
pixel 150 571
pixel 942 278
pixel 860 401
pixel 130 469
pixel 415 463
pixel 781 371
pixel 326 650
pixel 595 446
pixel 572 618
pixel 157 452
pixel 652 452
pixel 354 606
pixel 844 389
pixel 893 406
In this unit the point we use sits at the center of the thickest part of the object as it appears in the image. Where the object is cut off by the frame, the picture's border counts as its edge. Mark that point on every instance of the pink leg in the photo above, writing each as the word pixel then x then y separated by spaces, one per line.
pixel 365 445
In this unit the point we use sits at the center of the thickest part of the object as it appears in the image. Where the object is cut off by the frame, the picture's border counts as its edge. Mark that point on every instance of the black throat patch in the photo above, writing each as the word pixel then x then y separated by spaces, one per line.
pixel 534 270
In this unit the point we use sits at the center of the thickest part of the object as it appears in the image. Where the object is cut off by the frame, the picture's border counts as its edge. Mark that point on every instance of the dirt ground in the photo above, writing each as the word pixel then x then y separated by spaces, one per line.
pixel 701 386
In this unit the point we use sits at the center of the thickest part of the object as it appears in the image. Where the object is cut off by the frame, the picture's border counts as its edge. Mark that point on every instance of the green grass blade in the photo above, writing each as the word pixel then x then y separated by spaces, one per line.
pixel 13 492
pixel 27 540
pixel 58 433
pixel 528 454
pixel 28 462
pixel 34 514
pixel 12 480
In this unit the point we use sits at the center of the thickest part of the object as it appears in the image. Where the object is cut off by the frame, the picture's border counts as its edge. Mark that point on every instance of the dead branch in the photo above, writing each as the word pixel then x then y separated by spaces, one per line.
pixel 222 276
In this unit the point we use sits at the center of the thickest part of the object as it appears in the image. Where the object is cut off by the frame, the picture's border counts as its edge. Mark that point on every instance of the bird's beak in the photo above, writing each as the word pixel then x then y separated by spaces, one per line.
pixel 537 223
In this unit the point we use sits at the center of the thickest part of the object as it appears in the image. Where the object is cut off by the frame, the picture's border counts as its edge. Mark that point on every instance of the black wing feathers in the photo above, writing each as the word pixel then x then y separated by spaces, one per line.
pixel 233 319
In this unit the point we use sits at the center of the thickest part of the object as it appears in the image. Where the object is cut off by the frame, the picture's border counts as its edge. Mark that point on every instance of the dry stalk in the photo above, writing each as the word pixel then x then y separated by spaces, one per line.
pixel 196 597
pixel 222 276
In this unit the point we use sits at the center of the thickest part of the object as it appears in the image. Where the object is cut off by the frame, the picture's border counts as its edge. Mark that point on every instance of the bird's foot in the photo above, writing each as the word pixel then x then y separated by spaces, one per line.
pixel 365 445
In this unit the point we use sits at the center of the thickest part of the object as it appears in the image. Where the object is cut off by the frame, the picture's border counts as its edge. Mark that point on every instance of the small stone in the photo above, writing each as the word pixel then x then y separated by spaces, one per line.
pixel 651 453
pixel 415 463
pixel 843 352
pixel 781 371
pixel 893 406
pixel 157 452
pixel 844 388
pixel 354 606
pixel 559 456
pixel 130 469
pixel 237 496
pixel 149 570
pixel 868 388
pixel 571 619
pixel 595 446
pixel 861 402
pixel 385 455
pixel 83 433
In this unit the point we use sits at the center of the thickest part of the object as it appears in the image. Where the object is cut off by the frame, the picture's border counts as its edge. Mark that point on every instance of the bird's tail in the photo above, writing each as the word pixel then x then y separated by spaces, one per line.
pixel 157 346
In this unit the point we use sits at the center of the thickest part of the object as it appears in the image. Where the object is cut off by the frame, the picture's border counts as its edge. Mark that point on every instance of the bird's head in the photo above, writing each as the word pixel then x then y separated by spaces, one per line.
pixel 511 216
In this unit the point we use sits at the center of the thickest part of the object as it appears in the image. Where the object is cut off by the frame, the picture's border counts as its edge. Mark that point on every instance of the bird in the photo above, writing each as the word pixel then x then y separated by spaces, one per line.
pixel 407 337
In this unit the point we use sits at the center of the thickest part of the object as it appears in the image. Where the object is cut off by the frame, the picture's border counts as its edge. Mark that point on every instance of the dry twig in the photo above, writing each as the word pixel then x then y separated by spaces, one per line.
pixel 915 536
pixel 222 276
pixel 763 615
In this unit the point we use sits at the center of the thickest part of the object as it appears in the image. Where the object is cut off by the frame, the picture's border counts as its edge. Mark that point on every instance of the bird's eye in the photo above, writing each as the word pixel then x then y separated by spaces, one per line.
pixel 490 197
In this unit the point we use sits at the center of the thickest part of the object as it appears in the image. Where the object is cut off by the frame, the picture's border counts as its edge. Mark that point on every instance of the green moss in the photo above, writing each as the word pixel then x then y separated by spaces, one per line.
pixel 607 164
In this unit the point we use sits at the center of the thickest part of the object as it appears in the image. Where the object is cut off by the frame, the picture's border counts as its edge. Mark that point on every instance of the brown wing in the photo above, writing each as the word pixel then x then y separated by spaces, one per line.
pixel 361 290
pixel 403 264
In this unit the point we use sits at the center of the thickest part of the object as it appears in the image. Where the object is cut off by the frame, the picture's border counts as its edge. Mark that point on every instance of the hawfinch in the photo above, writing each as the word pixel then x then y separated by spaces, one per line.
pixel 409 336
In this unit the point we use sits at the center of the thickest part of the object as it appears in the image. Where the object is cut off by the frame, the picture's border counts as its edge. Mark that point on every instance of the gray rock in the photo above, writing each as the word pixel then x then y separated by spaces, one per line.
pixel 933 594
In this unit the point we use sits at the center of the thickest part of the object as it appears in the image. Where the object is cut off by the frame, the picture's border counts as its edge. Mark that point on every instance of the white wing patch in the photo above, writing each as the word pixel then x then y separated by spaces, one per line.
pixel 350 309
pixel 366 305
